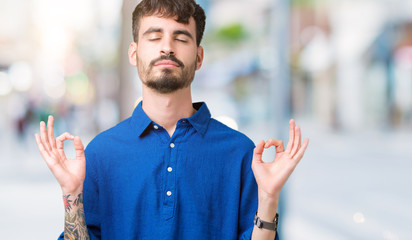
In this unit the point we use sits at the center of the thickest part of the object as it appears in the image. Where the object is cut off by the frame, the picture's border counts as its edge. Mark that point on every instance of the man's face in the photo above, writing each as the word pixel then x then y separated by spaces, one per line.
pixel 166 53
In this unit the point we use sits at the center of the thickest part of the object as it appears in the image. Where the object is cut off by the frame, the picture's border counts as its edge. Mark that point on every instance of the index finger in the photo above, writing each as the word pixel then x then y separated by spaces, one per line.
pixel 59 140
pixel 277 143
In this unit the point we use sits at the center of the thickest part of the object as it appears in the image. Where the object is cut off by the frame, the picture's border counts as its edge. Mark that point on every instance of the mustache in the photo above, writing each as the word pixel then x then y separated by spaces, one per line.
pixel 170 58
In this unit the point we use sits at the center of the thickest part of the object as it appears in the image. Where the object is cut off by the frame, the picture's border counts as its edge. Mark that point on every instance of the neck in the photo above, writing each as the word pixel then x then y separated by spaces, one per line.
pixel 167 109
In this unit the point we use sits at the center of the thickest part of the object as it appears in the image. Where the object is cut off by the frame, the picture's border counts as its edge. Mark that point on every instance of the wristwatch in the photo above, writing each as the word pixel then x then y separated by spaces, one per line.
pixel 267 225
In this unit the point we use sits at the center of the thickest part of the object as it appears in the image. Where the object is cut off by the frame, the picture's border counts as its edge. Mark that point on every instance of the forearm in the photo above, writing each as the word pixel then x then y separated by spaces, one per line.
pixel 74 222
pixel 267 208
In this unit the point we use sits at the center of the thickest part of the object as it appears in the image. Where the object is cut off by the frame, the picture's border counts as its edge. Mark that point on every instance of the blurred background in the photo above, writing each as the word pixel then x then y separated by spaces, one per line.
pixel 341 68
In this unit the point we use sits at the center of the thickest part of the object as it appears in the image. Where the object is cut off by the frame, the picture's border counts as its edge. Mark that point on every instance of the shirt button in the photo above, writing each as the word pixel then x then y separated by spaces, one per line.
pixel 169 193
pixel 169 169
pixel 155 127
pixel 172 145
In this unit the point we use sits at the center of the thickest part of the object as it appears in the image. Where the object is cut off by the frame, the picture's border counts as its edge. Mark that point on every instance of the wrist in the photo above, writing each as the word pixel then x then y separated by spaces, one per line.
pixel 267 207
pixel 72 201
pixel 72 191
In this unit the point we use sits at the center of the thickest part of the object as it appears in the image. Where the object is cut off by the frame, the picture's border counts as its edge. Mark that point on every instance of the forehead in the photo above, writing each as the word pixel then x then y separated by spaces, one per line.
pixel 166 24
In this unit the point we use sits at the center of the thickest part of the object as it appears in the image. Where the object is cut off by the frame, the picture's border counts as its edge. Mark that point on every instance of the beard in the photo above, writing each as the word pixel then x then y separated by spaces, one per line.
pixel 167 80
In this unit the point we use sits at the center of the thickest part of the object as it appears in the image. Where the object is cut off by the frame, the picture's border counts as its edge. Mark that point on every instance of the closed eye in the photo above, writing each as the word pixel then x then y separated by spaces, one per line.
pixel 153 39
pixel 181 40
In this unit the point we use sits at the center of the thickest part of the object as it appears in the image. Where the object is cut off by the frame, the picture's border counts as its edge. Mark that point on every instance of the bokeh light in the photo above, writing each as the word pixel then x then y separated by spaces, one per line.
pixel 5 84
pixel 21 76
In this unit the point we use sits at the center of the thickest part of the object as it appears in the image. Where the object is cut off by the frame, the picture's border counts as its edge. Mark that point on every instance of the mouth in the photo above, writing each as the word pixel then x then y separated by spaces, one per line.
pixel 167 64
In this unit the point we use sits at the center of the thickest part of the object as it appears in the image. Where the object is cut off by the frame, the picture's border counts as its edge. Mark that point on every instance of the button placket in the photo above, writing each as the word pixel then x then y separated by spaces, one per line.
pixel 170 188
pixel 170 171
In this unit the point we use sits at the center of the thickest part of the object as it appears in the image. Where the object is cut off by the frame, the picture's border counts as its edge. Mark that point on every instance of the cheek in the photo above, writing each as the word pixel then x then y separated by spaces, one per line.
pixel 191 58
pixel 142 61
pixel 142 54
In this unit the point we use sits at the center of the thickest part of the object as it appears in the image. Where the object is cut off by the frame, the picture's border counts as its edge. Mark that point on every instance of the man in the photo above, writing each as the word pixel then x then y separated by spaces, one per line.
pixel 169 171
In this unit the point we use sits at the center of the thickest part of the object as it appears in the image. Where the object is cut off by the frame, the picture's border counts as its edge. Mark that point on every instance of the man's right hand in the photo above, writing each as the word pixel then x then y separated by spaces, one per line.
pixel 70 173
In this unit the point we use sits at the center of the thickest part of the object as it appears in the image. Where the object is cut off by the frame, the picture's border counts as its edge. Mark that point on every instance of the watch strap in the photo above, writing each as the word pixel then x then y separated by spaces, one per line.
pixel 267 225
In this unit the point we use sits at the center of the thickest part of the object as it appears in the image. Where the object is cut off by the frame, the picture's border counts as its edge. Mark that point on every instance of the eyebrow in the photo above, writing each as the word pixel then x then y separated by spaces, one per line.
pixel 160 30
pixel 152 30
pixel 183 32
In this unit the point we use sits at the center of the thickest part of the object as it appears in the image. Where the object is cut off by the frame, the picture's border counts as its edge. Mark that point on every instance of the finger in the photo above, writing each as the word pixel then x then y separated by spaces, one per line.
pixel 301 151
pixel 44 137
pixel 60 139
pixel 277 143
pixel 52 162
pixel 297 141
pixel 257 153
pixel 50 130
pixel 78 146
pixel 59 142
pixel 291 135
pixel 44 153
pixel 47 156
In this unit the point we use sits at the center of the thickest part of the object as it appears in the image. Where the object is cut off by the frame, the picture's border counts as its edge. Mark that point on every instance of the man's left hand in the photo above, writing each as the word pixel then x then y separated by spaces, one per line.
pixel 272 176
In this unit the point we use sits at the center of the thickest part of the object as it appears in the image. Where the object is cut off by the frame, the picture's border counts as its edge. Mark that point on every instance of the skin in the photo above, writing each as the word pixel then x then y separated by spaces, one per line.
pixel 164 37
pixel 178 43
pixel 166 109
pixel 70 174
pixel 272 176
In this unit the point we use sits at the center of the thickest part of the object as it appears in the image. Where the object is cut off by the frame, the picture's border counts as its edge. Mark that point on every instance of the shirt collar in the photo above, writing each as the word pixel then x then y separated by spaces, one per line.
pixel 199 120
pixel 140 120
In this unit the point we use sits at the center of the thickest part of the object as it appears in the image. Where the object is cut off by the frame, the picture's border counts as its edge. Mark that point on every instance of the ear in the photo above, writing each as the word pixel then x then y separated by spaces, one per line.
pixel 199 59
pixel 132 54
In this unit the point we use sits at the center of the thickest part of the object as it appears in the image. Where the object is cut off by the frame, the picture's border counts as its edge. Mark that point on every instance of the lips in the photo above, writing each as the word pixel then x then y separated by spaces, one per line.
pixel 167 63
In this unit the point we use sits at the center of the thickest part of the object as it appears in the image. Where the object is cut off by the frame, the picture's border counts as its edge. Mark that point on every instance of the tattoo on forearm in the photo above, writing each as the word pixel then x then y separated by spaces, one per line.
pixel 67 201
pixel 78 200
pixel 74 225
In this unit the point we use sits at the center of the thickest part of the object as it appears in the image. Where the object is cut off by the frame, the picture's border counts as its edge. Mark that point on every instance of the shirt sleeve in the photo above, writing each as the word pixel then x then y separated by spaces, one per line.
pixel 91 195
pixel 248 198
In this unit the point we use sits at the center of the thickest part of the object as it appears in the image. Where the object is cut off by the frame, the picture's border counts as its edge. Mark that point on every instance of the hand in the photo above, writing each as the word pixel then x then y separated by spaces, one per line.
pixel 272 176
pixel 70 173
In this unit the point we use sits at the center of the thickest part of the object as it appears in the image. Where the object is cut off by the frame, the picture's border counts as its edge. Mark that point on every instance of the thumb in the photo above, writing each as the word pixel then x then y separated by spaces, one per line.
pixel 78 147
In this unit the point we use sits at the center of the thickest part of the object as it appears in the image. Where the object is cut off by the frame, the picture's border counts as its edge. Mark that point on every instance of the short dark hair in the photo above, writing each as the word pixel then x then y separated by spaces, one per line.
pixel 182 9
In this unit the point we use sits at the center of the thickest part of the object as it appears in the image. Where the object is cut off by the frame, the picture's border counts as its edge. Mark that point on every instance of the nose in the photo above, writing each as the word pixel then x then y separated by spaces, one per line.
pixel 167 47
pixel 167 54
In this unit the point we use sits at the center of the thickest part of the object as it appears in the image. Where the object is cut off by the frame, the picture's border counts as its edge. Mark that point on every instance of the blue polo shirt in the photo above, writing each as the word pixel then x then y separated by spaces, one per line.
pixel 143 184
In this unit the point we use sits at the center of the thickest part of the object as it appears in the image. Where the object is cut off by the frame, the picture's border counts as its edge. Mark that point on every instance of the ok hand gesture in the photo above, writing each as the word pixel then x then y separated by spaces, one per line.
pixel 272 176
pixel 70 173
